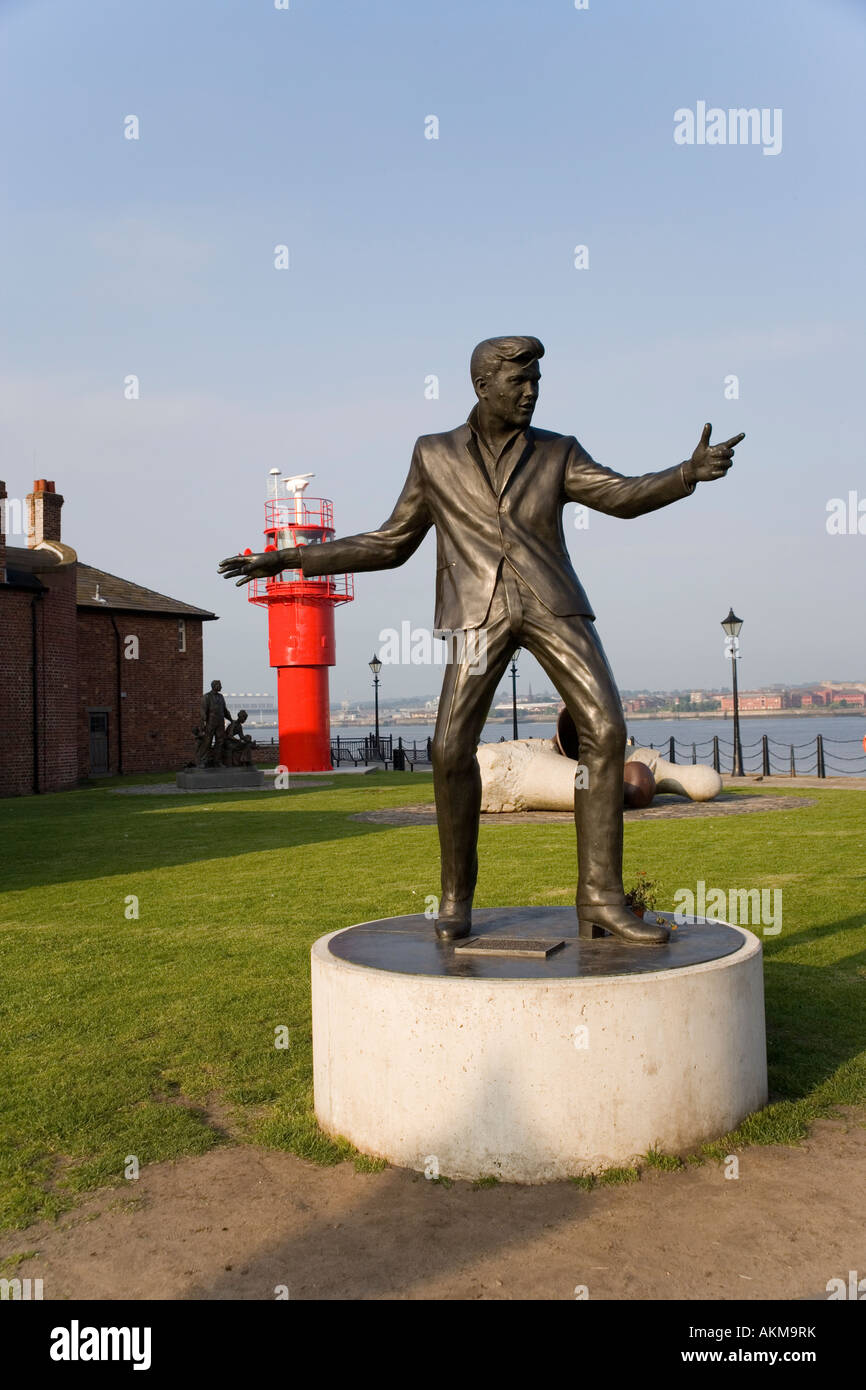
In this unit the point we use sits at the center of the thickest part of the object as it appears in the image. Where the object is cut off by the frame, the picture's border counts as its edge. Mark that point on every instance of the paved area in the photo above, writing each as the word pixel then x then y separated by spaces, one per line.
pixel 663 805
pixel 171 789
pixel 843 784
pixel 663 808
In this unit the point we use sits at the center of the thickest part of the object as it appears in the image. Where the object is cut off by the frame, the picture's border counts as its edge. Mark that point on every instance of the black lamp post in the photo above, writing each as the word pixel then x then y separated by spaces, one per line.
pixel 375 667
pixel 731 625
pixel 514 693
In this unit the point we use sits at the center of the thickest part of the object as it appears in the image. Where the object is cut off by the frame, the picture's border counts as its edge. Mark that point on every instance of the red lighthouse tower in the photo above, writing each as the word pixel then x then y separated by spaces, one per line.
pixel 301 623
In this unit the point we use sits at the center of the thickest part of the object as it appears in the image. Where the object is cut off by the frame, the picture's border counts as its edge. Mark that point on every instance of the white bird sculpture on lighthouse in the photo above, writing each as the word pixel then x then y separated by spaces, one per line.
pixel 295 487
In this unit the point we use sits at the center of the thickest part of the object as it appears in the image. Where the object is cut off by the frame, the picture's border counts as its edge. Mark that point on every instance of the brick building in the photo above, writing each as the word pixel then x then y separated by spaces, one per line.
pixel 838 695
pixel 97 674
pixel 752 701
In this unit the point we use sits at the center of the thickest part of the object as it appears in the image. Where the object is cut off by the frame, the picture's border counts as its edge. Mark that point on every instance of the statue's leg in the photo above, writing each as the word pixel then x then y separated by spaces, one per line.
pixel 571 653
pixel 213 747
pixel 470 682
pixel 219 745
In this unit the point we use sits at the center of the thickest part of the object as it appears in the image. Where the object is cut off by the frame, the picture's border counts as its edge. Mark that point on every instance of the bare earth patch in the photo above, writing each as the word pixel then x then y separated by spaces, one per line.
pixel 236 1223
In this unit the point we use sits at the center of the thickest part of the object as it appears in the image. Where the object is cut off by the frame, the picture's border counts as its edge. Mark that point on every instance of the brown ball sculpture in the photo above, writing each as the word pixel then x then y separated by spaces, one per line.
pixel 638 783
pixel 638 786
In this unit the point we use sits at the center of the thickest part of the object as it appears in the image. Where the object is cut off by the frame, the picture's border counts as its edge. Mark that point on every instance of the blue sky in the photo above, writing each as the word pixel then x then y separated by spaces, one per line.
pixel 306 127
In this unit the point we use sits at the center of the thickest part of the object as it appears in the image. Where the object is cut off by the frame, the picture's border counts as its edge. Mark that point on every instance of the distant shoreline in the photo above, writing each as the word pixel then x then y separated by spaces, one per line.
pixel 664 715
pixel 754 714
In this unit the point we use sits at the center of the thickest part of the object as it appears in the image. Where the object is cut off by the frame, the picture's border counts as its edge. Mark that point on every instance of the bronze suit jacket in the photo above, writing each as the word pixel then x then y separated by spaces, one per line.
pixel 476 530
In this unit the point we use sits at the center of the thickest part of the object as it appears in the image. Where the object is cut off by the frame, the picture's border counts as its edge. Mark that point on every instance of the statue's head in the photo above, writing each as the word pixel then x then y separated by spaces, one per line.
pixel 216 685
pixel 505 374
pixel 242 714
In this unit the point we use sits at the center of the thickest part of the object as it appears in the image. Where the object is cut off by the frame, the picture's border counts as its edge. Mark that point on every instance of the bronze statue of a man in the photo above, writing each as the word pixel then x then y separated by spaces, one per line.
pixel 214 714
pixel 494 489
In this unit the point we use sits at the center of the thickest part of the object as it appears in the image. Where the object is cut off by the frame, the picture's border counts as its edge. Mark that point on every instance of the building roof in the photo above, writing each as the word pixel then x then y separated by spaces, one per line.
pixel 24 565
pixel 124 595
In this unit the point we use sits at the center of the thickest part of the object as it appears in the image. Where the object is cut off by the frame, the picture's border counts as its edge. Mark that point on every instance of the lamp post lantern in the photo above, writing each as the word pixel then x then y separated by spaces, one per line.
pixel 731 626
pixel 514 693
pixel 375 667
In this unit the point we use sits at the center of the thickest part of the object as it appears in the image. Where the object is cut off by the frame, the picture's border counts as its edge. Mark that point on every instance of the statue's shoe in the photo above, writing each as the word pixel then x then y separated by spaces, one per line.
pixel 455 919
pixel 622 923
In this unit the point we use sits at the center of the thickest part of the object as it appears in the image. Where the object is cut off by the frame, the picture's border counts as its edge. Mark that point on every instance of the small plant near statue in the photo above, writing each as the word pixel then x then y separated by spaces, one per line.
pixel 642 896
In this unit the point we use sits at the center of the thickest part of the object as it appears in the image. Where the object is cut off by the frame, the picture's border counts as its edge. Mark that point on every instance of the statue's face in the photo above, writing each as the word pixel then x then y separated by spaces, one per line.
pixel 511 392
pixel 216 685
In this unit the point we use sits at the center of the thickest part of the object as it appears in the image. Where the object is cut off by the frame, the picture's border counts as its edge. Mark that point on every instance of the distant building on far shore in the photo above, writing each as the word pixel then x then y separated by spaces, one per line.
pixel 754 700
pixel 837 696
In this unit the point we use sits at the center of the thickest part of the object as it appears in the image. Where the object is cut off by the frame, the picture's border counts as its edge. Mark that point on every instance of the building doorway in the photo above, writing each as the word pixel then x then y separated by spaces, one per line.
pixel 99 764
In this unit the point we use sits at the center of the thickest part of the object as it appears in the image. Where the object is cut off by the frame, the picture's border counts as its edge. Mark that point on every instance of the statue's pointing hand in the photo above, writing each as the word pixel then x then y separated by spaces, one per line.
pixel 711 461
pixel 259 566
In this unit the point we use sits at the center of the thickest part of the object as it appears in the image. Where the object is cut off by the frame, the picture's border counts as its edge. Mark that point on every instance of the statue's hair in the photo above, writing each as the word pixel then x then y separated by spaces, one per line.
pixel 487 356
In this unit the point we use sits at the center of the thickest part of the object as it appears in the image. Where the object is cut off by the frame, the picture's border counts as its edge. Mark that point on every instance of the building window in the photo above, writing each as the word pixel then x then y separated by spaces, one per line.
pixel 181 634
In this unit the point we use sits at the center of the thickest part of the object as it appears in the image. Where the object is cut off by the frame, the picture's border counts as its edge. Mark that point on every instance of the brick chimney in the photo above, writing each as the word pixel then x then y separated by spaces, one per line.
pixel 2 533
pixel 43 513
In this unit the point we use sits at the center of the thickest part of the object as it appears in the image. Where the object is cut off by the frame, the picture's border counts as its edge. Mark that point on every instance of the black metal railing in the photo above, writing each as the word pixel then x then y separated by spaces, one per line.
pixel 399 752
pixel 815 757
pixel 361 750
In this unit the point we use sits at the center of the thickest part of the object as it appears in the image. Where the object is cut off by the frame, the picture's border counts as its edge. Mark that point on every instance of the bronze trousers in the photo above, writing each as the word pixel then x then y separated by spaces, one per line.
pixel 569 650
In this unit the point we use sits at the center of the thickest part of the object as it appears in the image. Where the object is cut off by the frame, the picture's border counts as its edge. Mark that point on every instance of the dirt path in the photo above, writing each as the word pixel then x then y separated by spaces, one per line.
pixel 238 1222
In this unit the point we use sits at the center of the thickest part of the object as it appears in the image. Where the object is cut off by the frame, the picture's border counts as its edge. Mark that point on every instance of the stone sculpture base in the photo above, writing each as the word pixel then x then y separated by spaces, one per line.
pixel 535 1068
pixel 203 779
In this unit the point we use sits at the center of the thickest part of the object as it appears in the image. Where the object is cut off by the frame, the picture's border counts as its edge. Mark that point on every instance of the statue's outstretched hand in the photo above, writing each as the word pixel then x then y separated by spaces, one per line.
pixel 711 461
pixel 258 566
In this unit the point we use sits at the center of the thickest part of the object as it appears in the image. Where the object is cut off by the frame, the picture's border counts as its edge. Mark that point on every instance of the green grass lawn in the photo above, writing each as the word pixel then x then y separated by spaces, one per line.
pixel 153 1036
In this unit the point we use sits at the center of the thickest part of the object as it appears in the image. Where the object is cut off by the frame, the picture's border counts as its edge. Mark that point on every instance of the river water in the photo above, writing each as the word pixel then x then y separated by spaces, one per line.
pixel 843 735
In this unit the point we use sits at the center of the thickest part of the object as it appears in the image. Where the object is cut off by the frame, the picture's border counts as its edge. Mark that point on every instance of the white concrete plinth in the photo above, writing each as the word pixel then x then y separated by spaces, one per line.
pixel 533 1079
